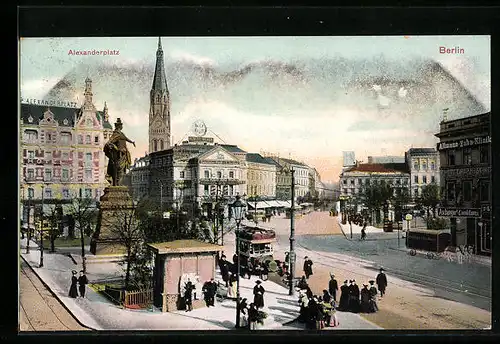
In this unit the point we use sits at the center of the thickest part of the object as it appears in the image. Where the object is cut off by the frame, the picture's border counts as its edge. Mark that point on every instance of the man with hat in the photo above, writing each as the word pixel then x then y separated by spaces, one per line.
pixel 209 291
pixel 258 292
pixel 333 287
pixel 381 282
pixel 224 269
pixel 373 297
pixel 308 267
pixel 82 282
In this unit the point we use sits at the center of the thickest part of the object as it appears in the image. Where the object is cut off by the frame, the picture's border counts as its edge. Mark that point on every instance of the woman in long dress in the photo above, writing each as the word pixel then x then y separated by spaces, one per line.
pixel 258 292
pixel 73 292
pixel 344 297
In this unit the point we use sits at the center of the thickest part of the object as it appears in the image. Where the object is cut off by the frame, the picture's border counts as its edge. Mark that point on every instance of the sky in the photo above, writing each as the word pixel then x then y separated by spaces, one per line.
pixel 308 98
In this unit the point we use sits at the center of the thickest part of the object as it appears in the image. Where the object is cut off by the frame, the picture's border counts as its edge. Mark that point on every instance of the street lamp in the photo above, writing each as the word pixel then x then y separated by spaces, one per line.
pixel 480 224
pixel 41 230
pixel 291 290
pixel 238 210
pixel 29 216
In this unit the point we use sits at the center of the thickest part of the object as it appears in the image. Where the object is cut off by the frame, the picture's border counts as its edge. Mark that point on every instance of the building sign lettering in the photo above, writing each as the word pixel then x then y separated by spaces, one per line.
pixel 60 103
pixel 454 212
pixel 469 172
pixel 464 143
pixel 200 139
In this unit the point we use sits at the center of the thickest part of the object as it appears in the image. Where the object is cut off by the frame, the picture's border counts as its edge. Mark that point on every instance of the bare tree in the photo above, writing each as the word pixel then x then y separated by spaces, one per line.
pixel 54 219
pixel 83 211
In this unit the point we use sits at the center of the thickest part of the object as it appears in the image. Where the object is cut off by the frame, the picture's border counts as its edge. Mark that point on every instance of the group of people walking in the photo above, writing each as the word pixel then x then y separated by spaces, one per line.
pixel 78 284
pixel 352 299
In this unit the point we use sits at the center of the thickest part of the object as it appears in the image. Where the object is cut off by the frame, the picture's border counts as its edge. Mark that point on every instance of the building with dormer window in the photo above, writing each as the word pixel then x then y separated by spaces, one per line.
pixel 62 150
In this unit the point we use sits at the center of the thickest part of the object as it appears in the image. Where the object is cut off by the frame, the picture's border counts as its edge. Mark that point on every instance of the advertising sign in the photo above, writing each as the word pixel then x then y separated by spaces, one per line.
pixel 454 212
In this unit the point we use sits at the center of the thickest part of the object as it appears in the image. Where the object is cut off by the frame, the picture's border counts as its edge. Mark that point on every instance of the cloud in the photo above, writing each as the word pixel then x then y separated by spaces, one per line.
pixel 185 56
pixel 36 88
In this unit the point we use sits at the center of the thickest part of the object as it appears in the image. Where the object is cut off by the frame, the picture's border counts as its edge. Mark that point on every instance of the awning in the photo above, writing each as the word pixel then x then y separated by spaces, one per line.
pixel 274 204
pixel 260 205
pixel 306 204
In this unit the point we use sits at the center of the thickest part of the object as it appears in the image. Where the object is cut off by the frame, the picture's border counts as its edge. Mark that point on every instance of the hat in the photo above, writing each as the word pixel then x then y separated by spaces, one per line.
pixel 73 272
pixel 365 285
pixel 118 122
pixel 306 257
pixel 371 282
pixel 345 281
pixel 350 281
pixel 332 275
pixel 212 279
pixel 81 271
pixel 258 281
pixel 353 281
pixel 381 269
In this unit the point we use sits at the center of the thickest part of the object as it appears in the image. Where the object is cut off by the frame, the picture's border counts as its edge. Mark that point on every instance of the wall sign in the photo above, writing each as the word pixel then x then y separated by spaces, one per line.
pixel 468 172
pixel 60 103
pixel 464 143
pixel 454 212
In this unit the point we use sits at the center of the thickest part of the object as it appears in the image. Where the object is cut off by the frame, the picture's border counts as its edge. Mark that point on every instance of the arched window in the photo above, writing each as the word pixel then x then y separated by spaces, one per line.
pixel 30 135
pixel 207 174
pixel 219 174
pixel 155 145
pixel 161 144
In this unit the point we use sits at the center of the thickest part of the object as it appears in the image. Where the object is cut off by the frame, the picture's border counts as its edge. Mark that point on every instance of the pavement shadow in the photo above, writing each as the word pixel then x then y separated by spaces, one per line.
pixel 225 324
pixel 284 310
pixel 286 301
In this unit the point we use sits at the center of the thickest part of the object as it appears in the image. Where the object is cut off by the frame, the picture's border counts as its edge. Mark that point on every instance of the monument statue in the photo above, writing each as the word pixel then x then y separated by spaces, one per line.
pixel 118 154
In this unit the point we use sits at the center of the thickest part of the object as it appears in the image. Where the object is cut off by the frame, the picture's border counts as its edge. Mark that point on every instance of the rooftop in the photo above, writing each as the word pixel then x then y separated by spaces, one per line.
pixel 380 168
pixel 257 158
pixel 184 246
pixel 232 148
pixel 293 162
pixel 422 151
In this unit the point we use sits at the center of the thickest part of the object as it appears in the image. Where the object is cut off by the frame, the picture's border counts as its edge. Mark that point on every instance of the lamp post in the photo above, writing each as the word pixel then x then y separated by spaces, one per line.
pixel 480 224
pixel 238 211
pixel 29 228
pixel 41 230
pixel 23 212
pixel 292 259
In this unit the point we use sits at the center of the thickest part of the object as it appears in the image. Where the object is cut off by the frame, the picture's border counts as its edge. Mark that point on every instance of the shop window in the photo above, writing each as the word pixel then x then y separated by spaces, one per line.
pixel 467 190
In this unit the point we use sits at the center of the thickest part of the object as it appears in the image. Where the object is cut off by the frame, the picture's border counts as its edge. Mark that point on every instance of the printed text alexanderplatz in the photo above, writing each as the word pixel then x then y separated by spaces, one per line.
pixel 94 52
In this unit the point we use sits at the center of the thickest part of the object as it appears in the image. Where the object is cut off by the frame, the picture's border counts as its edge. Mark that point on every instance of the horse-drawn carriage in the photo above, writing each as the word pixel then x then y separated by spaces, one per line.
pixel 256 249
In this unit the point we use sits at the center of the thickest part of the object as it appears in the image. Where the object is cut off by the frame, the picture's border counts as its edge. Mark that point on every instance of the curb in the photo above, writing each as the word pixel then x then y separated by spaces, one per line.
pixel 56 297
pixel 342 229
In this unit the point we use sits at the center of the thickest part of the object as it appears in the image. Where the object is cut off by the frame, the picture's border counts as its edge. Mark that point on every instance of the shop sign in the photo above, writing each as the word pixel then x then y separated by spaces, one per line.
pixel 464 143
pixel 455 212
pixel 468 172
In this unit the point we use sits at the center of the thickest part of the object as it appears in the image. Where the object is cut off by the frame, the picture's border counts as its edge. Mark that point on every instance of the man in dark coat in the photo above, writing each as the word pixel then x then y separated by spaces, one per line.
pixel 302 283
pixel 82 282
pixel 258 292
pixel 224 269
pixel 308 267
pixel 333 287
pixel 188 296
pixel 209 291
pixel 344 297
pixel 381 282
pixel 373 297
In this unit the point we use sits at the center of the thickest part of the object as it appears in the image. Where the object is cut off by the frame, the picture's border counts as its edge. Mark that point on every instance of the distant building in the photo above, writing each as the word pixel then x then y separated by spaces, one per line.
pixel 139 175
pixel 465 167
pixel 316 186
pixel 424 169
pixel 284 179
pixel 62 150
pixel 386 159
pixel 261 176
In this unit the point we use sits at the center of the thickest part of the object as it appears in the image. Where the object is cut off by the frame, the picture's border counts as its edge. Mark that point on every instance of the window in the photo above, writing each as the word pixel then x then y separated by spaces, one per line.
pixel 49 137
pixel 88 174
pixel 161 144
pixel 48 174
pixel 484 156
pixel 31 155
pixel 182 174
pixel 424 165
pixel 48 193
pixel 231 174
pixel 65 175
pixel 433 179
pixel 450 191
pixel 219 174
pixel 48 156
pixel 352 181
pixel 207 174
pixel 65 193
pixel 433 165
pixel 467 156
pixel 89 122
pixel 87 139
pixel 65 156
pixel 31 174
pixel 31 192
pixel 65 138
pixel 231 190
pixel 415 192
pixel 415 165
pixel 451 158
pixel 88 193
pixel 360 182
pixel 345 181
pixel 415 179
pixel 398 182
pixel 96 139
pixel 30 136
pixel 205 189
pixel 467 190
pixel 484 190
pixel 80 139
pixel 88 160
pixel 424 179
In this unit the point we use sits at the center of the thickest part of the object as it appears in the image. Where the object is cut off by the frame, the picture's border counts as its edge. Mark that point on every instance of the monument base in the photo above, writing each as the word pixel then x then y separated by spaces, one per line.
pixel 115 205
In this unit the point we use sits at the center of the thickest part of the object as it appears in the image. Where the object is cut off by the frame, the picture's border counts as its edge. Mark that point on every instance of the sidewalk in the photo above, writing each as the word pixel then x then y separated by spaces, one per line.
pixel 346 229
pixel 96 312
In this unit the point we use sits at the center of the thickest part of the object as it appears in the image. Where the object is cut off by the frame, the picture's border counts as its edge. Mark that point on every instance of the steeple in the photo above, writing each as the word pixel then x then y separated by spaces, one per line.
pixel 159 80
pixel 105 112
pixel 88 91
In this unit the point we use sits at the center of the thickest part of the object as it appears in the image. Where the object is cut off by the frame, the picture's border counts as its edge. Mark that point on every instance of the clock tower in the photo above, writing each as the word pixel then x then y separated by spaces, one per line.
pixel 159 107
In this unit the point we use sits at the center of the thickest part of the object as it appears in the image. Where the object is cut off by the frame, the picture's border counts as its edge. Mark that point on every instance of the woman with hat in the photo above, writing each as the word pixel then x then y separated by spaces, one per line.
pixel 373 297
pixel 381 282
pixel 258 292
pixel 308 267
pixel 365 299
pixel 73 292
pixel 344 297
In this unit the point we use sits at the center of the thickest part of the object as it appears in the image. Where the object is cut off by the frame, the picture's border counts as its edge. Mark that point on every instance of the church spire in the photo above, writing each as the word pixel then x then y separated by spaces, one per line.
pixel 159 80
pixel 88 90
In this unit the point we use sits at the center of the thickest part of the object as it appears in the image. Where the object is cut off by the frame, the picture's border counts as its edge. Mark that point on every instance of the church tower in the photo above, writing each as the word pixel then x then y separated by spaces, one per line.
pixel 159 108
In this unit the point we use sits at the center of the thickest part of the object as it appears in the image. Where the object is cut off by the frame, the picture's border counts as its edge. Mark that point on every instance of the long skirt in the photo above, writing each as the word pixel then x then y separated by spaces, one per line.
pixel 373 306
pixel 73 291
pixel 334 321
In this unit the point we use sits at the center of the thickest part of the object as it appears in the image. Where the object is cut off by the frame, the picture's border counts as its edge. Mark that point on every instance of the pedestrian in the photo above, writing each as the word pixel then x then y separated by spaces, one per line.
pixel 232 284
pixel 243 310
pixel 334 321
pixel 309 293
pixel 209 290
pixel 308 267
pixel 303 301
pixel 230 289
pixel 344 297
pixel 188 296
pixel 365 299
pixel 206 293
pixel 302 283
pixel 373 297
pixel 355 305
pixel 333 286
pixel 381 282
pixel 253 315
pixel 264 272
pixel 313 311
pixel 320 315
pixel 327 309
pixel 82 283
pixel 235 264
pixel 258 292
pixel 72 289
pixel 224 270
pixel 363 231
pixel 326 296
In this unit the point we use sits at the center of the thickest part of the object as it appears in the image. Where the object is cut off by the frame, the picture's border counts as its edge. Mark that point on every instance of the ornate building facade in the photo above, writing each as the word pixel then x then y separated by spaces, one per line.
pixel 465 159
pixel 424 168
pixel 261 176
pixel 159 108
pixel 62 150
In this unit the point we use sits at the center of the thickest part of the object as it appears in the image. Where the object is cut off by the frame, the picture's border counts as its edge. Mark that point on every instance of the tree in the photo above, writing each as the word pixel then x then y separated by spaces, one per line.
pixel 374 197
pixel 430 198
pixel 54 219
pixel 400 200
pixel 83 212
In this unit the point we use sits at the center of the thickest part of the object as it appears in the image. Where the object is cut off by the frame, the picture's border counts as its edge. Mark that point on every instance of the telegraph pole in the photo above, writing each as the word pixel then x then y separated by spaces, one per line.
pixel 292 237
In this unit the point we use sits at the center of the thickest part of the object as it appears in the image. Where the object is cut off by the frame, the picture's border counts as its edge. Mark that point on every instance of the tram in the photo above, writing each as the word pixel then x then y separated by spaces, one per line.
pixel 256 245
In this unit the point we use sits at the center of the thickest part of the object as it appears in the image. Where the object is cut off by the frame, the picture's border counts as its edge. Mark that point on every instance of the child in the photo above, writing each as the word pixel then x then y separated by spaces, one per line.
pixel 334 321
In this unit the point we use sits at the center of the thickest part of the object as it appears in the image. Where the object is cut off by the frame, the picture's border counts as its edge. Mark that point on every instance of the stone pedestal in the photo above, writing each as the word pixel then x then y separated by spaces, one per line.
pixel 115 204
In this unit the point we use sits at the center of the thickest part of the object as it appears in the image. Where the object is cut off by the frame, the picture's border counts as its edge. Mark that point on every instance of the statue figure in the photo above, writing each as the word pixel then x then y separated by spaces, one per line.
pixel 118 154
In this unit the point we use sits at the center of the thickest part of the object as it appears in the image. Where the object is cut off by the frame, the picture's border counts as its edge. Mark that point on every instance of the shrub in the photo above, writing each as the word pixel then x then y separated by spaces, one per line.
pixel 437 223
